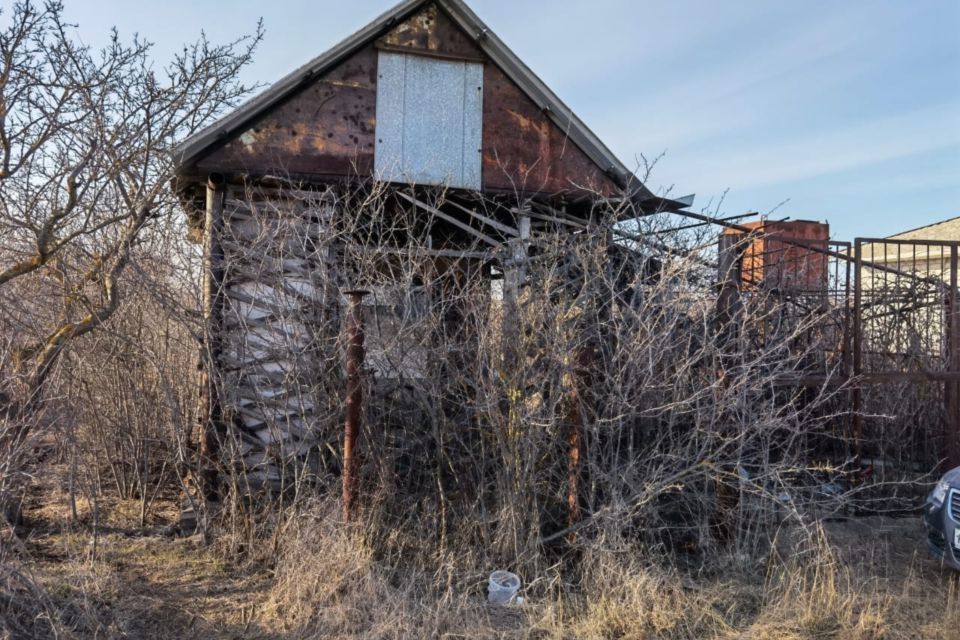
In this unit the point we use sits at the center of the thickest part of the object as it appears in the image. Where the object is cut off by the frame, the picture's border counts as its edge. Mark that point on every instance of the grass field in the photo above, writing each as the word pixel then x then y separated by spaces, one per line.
pixel 868 578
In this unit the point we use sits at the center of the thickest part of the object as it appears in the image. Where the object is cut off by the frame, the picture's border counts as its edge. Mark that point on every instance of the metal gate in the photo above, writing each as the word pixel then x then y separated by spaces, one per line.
pixel 906 353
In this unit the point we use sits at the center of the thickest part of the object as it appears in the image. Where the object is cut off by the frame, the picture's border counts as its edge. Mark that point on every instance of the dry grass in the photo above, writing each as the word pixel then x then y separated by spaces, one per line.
pixel 865 579
pixel 329 584
pixel 147 587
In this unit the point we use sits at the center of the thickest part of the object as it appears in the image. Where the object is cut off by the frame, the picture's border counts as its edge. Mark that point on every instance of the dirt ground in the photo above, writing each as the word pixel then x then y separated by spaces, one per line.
pixel 129 582
pixel 139 582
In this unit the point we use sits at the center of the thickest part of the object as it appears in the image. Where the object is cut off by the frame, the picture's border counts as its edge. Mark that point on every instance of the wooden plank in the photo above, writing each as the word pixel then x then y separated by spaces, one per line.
pixel 486 220
pixel 548 218
pixel 561 214
pixel 450 219
pixel 426 253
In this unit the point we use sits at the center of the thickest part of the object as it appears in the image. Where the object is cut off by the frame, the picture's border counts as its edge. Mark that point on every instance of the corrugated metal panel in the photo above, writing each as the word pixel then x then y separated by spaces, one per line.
pixel 472 124
pixel 429 120
pixel 388 155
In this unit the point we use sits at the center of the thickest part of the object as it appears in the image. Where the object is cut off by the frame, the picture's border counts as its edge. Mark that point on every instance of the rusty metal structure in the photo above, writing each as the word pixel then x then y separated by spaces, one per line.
pixel 801 272
pixel 424 98
pixel 766 261
pixel 886 330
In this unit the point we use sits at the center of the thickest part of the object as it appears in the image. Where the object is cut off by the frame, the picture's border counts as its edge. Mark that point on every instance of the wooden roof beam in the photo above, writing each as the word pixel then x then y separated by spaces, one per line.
pixel 443 216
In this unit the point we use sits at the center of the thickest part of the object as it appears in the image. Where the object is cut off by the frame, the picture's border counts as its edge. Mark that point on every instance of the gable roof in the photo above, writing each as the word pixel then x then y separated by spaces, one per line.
pixel 949 228
pixel 196 146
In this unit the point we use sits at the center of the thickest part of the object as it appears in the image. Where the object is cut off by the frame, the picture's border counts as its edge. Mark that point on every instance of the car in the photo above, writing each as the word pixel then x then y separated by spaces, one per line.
pixel 941 518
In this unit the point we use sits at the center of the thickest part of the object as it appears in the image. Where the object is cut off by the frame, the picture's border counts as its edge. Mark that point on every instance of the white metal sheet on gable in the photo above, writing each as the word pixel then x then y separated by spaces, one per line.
pixel 429 120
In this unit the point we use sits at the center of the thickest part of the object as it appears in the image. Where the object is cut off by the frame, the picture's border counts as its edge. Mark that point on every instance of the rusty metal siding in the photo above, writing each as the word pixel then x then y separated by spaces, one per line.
pixel 328 128
pixel 523 149
pixel 325 130
pixel 431 32
pixel 429 120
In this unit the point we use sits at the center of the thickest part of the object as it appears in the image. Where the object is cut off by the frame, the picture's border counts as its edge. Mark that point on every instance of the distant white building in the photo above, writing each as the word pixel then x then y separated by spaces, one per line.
pixel 910 251
pixel 905 299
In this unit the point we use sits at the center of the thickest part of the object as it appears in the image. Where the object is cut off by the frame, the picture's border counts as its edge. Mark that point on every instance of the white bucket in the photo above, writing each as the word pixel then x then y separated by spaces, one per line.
pixel 503 587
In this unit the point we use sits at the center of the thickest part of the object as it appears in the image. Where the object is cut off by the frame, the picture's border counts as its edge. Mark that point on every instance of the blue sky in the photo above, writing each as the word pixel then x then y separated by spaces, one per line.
pixel 848 111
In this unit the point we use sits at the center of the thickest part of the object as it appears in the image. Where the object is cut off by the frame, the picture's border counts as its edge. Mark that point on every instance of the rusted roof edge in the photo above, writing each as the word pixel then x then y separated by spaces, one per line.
pixel 191 149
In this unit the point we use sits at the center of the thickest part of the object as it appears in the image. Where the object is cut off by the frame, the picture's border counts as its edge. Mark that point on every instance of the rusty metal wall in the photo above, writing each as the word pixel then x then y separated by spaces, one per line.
pixel 326 130
pixel 329 129
pixel 431 32
pixel 523 148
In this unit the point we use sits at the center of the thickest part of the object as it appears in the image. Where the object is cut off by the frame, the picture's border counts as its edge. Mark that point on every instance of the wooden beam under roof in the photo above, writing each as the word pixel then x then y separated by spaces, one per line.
pixel 444 216
pixel 486 220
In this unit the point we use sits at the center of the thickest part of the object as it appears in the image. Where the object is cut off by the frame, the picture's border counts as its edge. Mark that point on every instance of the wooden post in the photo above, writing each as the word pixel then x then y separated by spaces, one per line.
pixel 202 487
pixel 211 411
pixel 514 275
pixel 728 317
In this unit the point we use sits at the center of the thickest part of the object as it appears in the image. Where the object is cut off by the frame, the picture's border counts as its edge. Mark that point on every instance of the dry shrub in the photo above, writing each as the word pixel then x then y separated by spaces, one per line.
pixel 623 596
pixel 26 610
pixel 331 584
pixel 65 605
pixel 812 594
pixel 331 581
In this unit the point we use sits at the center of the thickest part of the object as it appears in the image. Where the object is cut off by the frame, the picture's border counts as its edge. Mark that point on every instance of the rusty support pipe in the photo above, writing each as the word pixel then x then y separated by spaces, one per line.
pixel 354 412
pixel 574 464
pixel 578 396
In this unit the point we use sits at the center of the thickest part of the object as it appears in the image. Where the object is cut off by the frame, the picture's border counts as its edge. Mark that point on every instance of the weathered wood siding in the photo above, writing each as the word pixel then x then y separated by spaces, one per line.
pixel 329 128
pixel 280 356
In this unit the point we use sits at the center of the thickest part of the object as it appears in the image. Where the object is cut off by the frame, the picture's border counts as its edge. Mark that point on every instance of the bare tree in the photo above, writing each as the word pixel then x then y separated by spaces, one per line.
pixel 85 164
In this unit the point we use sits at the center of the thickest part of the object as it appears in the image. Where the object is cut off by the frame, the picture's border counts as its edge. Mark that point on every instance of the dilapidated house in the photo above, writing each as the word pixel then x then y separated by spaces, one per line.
pixel 430 110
